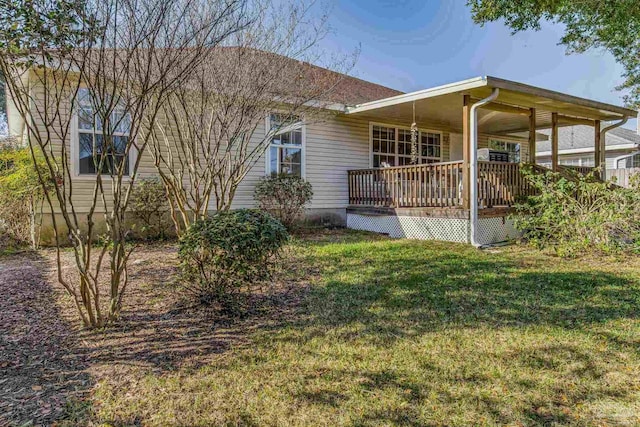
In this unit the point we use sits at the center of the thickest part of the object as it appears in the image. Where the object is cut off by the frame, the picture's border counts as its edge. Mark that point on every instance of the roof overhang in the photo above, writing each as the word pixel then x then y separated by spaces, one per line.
pixel 442 106
pixel 583 150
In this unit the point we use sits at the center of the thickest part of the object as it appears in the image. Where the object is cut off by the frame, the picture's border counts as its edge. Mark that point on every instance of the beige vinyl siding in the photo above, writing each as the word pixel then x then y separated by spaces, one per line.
pixel 331 148
pixel 244 193
pixel 82 187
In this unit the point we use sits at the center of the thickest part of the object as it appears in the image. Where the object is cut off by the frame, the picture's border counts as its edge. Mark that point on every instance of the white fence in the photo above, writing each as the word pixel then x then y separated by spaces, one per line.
pixel 622 176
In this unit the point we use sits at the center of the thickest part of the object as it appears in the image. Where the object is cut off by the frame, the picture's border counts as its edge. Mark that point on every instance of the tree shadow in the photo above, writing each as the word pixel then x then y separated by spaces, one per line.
pixel 383 298
pixel 405 295
pixel 161 330
pixel 41 364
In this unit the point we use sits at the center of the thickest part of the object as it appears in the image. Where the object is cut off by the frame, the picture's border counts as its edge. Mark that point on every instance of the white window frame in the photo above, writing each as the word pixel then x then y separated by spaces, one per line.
pixel 74 150
pixel 580 160
pixel 303 145
pixel 618 159
pixel 508 141
pixel 396 128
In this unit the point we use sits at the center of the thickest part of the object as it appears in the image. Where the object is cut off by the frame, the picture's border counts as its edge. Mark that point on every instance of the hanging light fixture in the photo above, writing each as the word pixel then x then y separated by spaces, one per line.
pixel 414 138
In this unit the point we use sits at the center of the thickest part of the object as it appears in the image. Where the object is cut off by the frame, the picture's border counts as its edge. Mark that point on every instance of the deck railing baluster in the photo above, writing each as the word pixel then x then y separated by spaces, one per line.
pixel 435 184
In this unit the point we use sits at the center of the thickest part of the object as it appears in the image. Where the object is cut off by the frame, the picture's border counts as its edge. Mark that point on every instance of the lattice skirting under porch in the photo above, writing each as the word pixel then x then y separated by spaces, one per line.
pixel 490 230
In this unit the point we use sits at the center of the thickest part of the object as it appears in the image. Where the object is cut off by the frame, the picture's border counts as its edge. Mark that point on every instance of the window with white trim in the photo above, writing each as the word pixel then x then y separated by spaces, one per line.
pixel 392 146
pixel 513 148
pixel 577 161
pixel 92 143
pixel 286 145
pixel 430 147
pixel 628 161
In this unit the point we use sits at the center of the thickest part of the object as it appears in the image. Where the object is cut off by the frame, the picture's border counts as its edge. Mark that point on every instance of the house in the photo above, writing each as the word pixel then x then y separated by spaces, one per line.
pixel 575 148
pixel 472 137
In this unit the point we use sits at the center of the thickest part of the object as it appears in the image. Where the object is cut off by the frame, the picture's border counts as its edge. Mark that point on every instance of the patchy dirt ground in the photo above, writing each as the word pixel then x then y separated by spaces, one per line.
pixel 42 364
pixel 46 359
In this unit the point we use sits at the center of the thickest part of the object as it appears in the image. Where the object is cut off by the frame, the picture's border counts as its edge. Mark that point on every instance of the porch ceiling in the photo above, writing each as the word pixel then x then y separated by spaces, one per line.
pixel 442 107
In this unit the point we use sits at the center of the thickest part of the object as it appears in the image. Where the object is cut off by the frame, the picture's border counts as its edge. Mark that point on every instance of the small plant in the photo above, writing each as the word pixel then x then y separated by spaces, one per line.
pixel 578 214
pixel 283 196
pixel 228 254
pixel 149 204
pixel 21 195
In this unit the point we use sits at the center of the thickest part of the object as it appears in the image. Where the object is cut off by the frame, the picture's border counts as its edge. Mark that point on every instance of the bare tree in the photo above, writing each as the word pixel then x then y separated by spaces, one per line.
pixel 93 72
pixel 206 142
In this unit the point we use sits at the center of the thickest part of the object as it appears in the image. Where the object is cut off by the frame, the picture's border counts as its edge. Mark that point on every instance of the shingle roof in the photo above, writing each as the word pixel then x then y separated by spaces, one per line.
pixel 297 78
pixel 334 86
pixel 576 137
pixel 353 91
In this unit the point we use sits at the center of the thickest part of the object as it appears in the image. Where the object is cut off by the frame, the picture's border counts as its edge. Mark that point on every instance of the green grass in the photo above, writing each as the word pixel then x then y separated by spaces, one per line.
pixel 418 333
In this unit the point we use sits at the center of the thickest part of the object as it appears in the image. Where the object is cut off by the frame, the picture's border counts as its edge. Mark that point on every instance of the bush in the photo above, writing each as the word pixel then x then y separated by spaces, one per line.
pixel 149 204
pixel 579 214
pixel 226 255
pixel 283 196
pixel 21 195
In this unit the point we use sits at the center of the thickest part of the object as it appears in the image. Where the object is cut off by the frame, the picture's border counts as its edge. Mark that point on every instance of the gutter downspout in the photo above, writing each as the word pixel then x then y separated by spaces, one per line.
pixel 603 153
pixel 473 146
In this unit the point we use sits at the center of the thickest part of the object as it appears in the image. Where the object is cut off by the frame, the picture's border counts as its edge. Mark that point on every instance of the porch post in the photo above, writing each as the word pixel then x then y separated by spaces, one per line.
pixel 532 136
pixel 554 142
pixel 597 161
pixel 466 151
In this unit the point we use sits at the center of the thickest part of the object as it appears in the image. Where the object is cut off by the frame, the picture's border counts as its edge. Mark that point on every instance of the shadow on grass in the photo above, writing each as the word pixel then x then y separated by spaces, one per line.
pixel 382 293
pixel 409 289
pixel 374 293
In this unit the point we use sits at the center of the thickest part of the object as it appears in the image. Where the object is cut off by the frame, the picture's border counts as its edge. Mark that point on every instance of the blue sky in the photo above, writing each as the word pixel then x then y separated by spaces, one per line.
pixel 415 44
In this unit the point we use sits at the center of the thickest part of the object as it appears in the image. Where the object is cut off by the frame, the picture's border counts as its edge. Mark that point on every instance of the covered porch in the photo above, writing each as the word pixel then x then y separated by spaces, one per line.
pixel 436 185
pixel 471 115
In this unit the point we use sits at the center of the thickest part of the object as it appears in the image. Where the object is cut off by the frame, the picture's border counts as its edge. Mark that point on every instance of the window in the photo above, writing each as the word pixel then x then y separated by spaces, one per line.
pixel 569 162
pixel 92 142
pixel 628 161
pixel 404 147
pixel 384 146
pixel 430 147
pixel 577 161
pixel 392 146
pixel 513 148
pixel 286 145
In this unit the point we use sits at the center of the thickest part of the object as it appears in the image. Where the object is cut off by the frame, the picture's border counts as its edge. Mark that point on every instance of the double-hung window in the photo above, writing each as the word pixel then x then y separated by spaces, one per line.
pixel 286 145
pixel 95 143
pixel 391 146
pixel 513 148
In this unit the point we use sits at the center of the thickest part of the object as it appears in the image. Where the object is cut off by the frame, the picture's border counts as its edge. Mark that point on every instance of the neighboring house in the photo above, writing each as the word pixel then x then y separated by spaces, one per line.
pixel 359 160
pixel 576 147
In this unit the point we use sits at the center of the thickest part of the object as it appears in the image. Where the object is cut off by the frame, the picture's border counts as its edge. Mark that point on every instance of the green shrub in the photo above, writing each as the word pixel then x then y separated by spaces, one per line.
pixel 578 214
pixel 149 205
pixel 283 196
pixel 21 195
pixel 224 256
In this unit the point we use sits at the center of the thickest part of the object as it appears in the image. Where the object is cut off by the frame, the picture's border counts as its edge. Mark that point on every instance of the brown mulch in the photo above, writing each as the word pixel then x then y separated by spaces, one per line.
pixel 46 359
pixel 41 364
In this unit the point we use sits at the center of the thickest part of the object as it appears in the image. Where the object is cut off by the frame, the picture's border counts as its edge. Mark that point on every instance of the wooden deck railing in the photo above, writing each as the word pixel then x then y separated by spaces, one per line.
pixel 584 170
pixel 500 184
pixel 435 185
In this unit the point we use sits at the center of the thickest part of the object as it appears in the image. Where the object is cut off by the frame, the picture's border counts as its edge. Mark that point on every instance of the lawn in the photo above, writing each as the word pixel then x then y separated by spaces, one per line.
pixel 364 330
